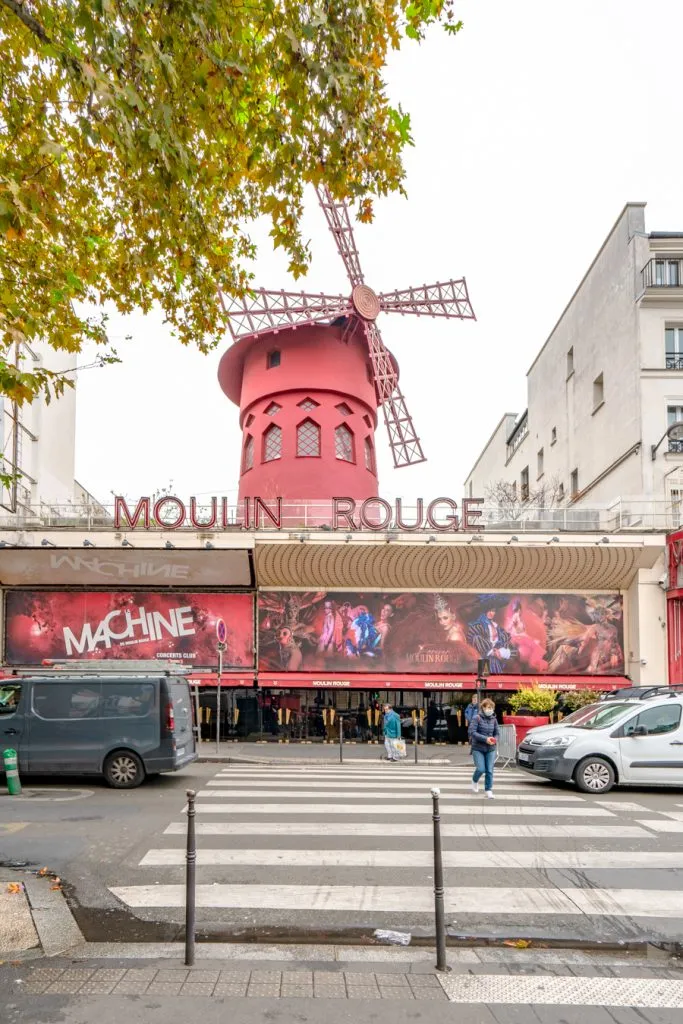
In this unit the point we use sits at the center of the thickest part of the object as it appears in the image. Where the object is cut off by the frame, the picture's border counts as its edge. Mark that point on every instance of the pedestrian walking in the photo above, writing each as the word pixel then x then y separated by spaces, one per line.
pixel 484 737
pixel 392 734
pixel 471 710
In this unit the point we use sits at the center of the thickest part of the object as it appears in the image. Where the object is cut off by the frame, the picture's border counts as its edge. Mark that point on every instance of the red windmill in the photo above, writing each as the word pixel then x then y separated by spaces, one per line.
pixel 326 362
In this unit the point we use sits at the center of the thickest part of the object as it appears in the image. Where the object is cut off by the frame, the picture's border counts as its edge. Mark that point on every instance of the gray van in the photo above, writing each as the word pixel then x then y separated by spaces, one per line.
pixel 123 726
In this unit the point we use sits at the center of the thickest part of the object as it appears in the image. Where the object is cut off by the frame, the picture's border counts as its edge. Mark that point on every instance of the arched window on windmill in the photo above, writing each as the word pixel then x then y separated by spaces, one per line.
pixel 272 443
pixel 369 455
pixel 248 453
pixel 343 443
pixel 308 439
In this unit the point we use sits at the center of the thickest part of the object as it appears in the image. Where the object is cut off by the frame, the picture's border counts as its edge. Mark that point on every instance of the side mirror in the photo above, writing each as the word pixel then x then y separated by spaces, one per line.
pixel 640 730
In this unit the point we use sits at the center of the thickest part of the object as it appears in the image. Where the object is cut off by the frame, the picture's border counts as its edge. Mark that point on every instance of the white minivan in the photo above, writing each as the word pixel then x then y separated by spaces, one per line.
pixel 616 742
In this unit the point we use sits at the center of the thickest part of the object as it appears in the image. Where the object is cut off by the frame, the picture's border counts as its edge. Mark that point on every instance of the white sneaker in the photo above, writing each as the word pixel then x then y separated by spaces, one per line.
pixel 475 787
pixel 489 794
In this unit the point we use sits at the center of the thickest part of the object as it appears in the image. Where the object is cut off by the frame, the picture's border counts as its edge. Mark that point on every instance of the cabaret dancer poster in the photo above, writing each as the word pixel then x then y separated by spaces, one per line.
pixel 580 634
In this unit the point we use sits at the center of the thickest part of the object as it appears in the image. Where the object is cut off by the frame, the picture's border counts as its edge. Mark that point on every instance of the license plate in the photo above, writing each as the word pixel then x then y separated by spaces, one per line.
pixel 524 758
pixel 179 753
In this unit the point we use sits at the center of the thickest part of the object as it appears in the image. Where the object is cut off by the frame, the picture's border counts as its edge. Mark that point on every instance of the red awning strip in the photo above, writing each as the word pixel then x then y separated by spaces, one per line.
pixel 456 681
pixel 211 679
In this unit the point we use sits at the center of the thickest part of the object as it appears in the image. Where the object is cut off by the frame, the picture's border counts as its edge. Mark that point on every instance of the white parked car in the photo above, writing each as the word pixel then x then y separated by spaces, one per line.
pixel 618 742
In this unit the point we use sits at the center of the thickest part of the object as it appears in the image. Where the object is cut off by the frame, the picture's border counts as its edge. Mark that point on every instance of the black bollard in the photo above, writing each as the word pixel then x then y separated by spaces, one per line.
pixel 341 739
pixel 190 888
pixel 439 910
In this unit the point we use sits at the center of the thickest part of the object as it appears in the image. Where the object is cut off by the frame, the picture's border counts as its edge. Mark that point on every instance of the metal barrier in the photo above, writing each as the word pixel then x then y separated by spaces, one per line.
pixel 507 745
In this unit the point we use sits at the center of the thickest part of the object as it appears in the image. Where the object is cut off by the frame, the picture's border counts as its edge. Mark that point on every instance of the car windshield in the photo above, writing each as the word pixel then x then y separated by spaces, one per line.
pixel 596 716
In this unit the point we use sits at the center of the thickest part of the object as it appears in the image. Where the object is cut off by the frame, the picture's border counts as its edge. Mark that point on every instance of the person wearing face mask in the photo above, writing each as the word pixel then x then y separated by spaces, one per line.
pixel 484 737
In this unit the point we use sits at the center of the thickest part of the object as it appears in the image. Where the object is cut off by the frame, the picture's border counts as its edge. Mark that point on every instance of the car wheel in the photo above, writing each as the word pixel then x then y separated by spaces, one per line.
pixel 594 775
pixel 123 770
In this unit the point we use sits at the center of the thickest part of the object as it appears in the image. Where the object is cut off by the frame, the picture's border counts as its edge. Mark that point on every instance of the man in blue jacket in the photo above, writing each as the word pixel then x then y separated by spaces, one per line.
pixel 392 732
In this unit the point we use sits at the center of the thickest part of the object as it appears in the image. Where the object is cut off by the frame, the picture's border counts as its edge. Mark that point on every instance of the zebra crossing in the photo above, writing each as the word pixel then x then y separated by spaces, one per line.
pixel 349 846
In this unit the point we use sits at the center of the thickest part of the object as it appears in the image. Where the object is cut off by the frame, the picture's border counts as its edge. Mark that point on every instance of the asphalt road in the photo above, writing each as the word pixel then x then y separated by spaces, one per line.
pixel 328 848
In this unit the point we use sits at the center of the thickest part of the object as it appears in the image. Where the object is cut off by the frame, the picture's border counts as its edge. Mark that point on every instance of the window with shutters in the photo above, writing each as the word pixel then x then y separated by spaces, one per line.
pixel 248 453
pixel 272 443
pixel 343 443
pixel 308 439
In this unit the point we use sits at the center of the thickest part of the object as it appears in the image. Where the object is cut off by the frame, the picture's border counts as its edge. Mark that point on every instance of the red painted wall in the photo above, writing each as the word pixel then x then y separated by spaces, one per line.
pixel 674 606
pixel 315 364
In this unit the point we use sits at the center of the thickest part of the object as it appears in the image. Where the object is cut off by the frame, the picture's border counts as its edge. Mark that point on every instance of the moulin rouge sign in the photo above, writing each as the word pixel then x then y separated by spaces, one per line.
pixel 441 515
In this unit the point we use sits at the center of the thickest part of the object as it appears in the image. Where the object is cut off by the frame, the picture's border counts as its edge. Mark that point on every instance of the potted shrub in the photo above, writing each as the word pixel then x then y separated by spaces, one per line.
pixel 575 699
pixel 530 707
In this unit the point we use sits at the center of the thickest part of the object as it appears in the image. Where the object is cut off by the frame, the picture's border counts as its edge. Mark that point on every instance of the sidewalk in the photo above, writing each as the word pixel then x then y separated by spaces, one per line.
pixel 88 986
pixel 324 753
pixel 34 917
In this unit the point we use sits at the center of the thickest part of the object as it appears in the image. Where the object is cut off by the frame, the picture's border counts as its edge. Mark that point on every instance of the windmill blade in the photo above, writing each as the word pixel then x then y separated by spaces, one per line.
pixel 262 311
pixel 449 300
pixel 339 222
pixel 403 441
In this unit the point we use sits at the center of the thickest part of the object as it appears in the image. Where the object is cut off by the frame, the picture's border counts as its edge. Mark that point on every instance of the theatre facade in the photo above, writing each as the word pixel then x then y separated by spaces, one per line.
pixel 331 619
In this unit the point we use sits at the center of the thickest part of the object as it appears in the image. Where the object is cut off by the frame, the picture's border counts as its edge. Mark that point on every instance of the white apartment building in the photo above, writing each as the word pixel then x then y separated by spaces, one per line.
pixel 604 388
pixel 39 442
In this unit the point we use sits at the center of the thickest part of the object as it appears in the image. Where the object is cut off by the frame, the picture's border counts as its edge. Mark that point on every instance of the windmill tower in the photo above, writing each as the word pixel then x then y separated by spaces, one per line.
pixel 309 373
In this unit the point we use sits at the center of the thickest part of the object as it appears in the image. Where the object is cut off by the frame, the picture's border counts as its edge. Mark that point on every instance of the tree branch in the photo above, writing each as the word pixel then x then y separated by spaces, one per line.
pixel 33 25
pixel 17 7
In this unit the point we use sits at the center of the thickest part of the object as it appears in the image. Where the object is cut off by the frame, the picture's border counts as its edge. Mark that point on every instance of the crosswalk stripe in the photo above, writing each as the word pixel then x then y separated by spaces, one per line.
pixel 380 769
pixel 663 903
pixel 396 793
pixel 559 990
pixel 661 826
pixel 492 809
pixel 605 830
pixel 324 789
pixel 507 860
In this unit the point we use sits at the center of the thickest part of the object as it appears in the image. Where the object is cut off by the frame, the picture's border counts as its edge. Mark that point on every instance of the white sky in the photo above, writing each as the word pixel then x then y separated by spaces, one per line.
pixel 532 127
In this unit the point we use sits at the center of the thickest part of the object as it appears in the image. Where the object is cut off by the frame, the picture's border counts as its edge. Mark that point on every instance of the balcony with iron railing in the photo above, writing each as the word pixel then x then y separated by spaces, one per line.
pixel 519 432
pixel 663 272
pixel 674 361
pixel 628 515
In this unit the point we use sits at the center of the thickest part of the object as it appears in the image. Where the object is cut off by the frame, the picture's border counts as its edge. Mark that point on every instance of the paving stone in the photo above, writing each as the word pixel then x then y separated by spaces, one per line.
pixel 233 976
pixel 264 991
pixel 77 973
pixel 391 979
pixel 97 988
pixel 357 992
pixel 109 974
pixel 437 994
pixel 396 992
pixel 423 981
pixel 297 977
pixel 266 977
pixel 197 988
pixel 172 975
pixel 64 988
pixel 35 988
pixel 46 974
pixel 127 987
pixel 224 990
pixel 356 978
pixel 164 988
pixel 141 973
pixel 204 976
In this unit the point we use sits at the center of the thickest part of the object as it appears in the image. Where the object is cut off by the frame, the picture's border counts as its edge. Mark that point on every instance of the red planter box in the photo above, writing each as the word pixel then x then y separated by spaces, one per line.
pixel 523 723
